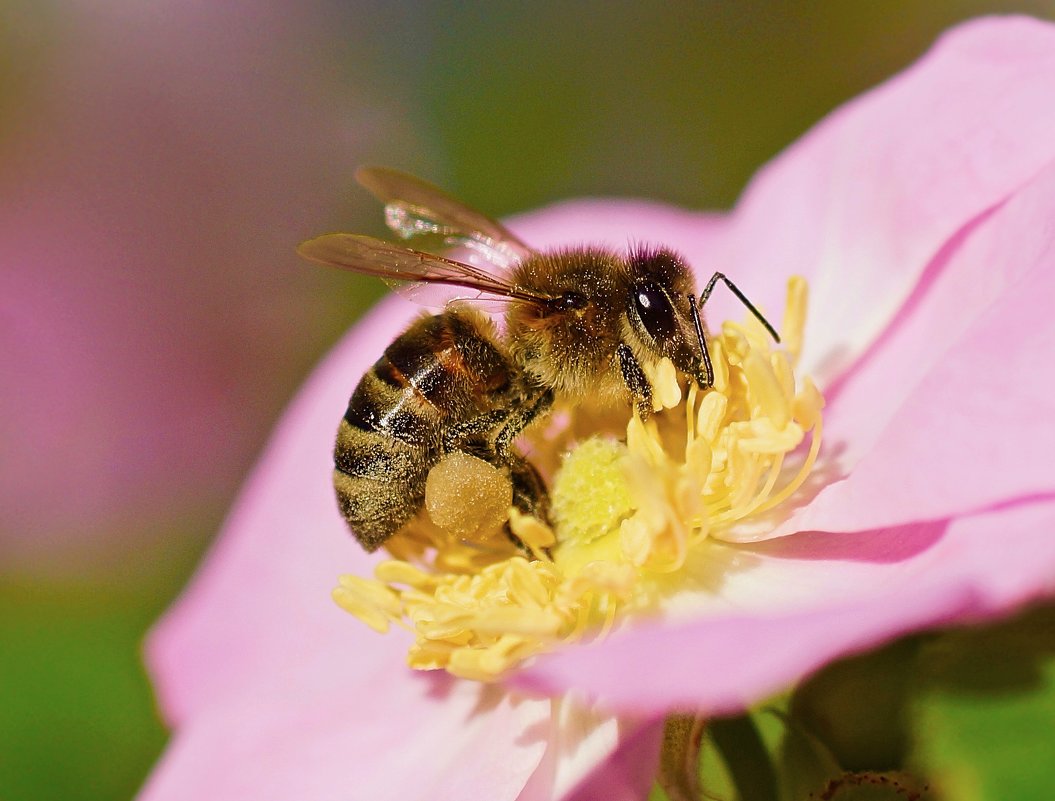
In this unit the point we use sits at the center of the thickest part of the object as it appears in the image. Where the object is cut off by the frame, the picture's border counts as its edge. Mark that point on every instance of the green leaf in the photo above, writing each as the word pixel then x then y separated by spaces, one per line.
pixel 715 778
pixel 857 707
pixel 805 763
pixel 985 712
pixel 744 752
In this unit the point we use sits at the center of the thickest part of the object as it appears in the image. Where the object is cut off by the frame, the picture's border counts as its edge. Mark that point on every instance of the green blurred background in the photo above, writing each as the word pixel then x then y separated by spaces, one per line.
pixel 159 166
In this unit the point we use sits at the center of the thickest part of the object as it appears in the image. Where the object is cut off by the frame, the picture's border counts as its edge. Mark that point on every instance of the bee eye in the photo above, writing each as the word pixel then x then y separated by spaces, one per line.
pixel 654 310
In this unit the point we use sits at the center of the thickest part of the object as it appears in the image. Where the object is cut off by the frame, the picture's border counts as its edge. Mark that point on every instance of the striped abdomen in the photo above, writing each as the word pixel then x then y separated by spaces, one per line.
pixel 443 372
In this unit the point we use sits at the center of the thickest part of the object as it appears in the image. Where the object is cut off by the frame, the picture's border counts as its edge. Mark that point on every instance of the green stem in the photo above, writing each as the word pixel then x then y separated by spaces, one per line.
pixel 744 753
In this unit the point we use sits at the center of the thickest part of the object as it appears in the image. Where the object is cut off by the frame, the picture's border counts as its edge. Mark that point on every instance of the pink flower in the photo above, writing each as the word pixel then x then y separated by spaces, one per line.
pixel 922 216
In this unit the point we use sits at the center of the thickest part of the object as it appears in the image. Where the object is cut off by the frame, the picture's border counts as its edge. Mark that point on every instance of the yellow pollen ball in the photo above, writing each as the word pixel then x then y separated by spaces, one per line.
pixel 468 497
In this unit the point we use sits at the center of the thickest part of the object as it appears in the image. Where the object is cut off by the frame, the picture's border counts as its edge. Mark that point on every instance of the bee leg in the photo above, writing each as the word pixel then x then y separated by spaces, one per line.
pixel 636 381
pixel 517 421
pixel 460 436
pixel 530 495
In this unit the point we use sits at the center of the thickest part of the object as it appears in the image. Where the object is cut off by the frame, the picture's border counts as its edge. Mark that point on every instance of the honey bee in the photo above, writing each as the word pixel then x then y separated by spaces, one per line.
pixel 580 323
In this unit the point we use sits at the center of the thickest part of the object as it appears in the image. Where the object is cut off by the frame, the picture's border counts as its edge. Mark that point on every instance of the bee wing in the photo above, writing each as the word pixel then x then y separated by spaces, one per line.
pixel 414 207
pixel 408 269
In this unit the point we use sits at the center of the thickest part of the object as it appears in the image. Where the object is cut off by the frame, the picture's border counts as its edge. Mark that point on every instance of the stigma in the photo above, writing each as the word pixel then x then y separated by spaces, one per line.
pixel 629 513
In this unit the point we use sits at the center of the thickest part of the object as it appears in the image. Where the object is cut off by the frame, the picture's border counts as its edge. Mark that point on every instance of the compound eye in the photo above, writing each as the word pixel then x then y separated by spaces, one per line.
pixel 654 310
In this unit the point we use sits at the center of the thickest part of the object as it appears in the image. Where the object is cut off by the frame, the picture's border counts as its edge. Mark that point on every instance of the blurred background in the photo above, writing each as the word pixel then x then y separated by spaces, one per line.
pixel 160 161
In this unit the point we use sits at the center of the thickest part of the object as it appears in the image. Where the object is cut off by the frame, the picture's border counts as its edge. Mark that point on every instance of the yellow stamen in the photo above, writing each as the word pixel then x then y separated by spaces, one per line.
pixel 626 516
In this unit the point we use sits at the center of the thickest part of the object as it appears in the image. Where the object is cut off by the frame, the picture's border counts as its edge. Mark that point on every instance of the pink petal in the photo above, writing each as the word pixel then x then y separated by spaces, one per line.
pixel 951 413
pixel 788 607
pixel 325 739
pixel 630 771
pixel 974 271
pixel 864 201
pixel 280 554
pixel 594 755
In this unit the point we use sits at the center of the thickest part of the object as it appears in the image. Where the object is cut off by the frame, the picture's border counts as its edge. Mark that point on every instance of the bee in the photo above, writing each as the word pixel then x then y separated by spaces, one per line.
pixel 580 323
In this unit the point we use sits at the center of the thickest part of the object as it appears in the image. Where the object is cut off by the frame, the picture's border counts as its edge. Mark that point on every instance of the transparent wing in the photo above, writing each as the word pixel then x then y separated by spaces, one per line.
pixel 415 208
pixel 408 269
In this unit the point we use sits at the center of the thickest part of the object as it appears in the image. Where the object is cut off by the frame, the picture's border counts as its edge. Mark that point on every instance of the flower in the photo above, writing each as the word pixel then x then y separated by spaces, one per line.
pixel 630 525
pixel 921 216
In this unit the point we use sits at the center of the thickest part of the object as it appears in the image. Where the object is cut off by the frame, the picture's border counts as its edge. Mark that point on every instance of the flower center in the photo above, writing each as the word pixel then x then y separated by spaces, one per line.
pixel 626 515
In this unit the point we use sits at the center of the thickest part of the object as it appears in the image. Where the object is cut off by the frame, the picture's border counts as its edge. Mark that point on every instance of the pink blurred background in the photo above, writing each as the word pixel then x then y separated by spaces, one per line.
pixel 161 162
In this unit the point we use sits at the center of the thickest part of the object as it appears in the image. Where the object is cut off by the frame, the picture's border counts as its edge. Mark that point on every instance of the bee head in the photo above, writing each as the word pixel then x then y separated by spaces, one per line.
pixel 660 310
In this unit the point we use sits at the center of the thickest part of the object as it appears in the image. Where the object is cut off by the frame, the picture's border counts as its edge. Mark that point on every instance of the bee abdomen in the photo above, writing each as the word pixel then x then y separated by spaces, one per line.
pixel 391 410
pixel 376 508
pixel 361 452
pixel 442 372
pixel 379 480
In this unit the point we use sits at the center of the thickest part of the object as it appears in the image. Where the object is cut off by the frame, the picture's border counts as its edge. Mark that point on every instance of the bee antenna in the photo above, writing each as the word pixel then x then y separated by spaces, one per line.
pixel 742 298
